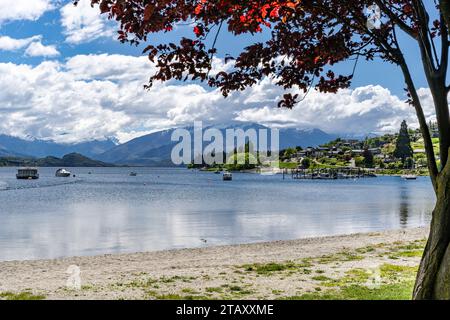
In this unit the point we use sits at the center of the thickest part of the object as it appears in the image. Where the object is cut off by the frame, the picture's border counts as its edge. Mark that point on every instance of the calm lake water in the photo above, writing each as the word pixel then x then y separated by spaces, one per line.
pixel 109 211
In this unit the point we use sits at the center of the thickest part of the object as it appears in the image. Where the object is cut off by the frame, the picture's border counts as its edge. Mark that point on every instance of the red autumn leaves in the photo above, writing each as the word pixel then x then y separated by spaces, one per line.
pixel 248 16
pixel 306 38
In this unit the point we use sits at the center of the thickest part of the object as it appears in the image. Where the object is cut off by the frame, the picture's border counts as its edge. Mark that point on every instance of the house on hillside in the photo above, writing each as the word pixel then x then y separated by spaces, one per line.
pixel 418 151
pixel 357 152
pixel 375 151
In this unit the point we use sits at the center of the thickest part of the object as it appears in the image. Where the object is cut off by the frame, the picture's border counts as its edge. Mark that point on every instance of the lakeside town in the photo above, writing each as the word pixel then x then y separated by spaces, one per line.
pixel 398 153
pixel 389 154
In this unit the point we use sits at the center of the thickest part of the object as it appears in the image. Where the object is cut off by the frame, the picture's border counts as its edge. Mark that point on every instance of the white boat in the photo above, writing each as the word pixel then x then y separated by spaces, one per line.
pixel 409 177
pixel 227 176
pixel 62 173
pixel 27 174
pixel 270 171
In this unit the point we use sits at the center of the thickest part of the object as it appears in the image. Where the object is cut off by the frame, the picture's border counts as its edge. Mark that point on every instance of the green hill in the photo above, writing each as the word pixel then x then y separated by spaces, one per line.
pixel 69 160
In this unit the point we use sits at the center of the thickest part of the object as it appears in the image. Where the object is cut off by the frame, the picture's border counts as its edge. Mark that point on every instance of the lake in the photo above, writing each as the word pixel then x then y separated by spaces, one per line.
pixel 109 211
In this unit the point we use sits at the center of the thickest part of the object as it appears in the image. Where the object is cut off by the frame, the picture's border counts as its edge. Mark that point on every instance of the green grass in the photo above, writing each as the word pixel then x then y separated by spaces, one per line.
pixel 240 290
pixel 189 290
pixel 269 268
pixel 408 254
pixel 339 257
pixel 175 296
pixel 367 249
pixel 26 295
pixel 396 283
pixel 414 249
pixel 288 165
pixel 321 278
pixel 398 291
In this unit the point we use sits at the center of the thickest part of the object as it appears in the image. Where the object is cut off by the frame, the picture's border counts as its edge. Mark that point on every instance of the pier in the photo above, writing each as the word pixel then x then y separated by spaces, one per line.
pixel 331 173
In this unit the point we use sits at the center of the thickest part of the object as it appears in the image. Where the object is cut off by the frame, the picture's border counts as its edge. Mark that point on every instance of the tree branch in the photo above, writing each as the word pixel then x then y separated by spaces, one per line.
pixel 431 157
pixel 402 25
pixel 445 47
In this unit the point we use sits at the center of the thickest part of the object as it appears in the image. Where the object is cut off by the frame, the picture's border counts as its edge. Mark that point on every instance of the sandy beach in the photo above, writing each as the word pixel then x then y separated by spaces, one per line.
pixel 274 270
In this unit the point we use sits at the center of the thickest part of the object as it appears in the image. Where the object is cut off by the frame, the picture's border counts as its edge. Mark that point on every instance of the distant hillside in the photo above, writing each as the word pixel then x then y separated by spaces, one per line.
pixel 292 137
pixel 7 153
pixel 69 160
pixel 155 149
pixel 13 146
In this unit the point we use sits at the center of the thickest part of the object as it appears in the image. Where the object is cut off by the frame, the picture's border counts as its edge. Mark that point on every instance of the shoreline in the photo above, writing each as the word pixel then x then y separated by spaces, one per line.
pixel 265 270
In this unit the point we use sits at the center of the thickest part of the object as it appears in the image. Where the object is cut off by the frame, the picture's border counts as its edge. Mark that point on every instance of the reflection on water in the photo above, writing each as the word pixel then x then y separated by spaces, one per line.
pixel 109 212
pixel 404 203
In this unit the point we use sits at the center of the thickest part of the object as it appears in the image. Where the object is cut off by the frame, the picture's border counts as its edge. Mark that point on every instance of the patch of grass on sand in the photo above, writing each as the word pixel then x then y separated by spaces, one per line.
pixel 25 295
pixel 396 283
pixel 189 290
pixel 409 254
pixel 214 289
pixel 240 290
pixel 321 278
pixel 175 296
pixel 410 250
pixel 268 268
pixel 339 257
pixel 175 279
pixel 392 272
pixel 397 291
pixel 367 249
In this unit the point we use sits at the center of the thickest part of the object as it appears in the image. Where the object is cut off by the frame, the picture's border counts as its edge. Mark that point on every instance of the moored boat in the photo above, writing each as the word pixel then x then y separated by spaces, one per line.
pixel 133 174
pixel 409 177
pixel 62 173
pixel 27 174
pixel 227 176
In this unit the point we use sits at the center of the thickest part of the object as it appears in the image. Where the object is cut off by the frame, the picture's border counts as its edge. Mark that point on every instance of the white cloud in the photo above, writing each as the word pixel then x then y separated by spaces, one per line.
pixel 33 45
pixel 37 49
pixel 369 109
pixel 11 44
pixel 23 9
pixel 93 96
pixel 83 23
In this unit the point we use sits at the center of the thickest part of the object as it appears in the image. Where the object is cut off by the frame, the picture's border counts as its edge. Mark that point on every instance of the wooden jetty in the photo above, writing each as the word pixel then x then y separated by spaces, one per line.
pixel 331 173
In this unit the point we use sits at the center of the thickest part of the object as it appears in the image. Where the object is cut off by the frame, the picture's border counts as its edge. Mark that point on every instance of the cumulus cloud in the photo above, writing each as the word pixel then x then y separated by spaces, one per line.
pixel 23 9
pixel 37 49
pixel 363 110
pixel 33 45
pixel 10 44
pixel 95 96
pixel 83 23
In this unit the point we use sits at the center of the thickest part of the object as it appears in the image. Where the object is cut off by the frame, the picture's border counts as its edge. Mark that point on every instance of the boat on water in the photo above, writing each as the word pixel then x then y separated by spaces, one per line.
pixel 409 177
pixel 27 174
pixel 133 174
pixel 62 173
pixel 217 172
pixel 270 171
pixel 227 176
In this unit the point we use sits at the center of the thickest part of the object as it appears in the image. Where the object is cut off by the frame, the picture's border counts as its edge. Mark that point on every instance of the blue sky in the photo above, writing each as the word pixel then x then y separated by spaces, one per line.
pixel 49 60
pixel 49 26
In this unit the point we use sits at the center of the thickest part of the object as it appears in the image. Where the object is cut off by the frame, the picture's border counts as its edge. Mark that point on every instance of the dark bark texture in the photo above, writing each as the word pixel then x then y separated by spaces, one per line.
pixel 433 278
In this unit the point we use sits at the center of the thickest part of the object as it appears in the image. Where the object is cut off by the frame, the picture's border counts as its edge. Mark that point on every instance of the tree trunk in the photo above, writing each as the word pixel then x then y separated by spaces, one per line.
pixel 433 278
pixel 445 10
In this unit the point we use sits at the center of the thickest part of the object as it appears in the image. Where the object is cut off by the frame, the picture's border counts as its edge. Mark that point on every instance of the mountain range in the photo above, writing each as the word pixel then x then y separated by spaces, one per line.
pixel 150 150
pixel 155 149
pixel 17 147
